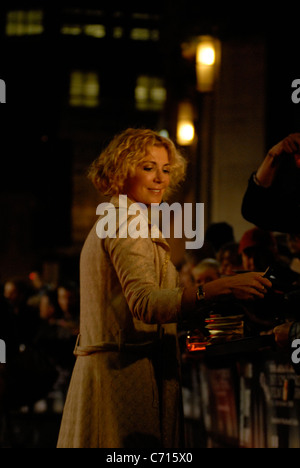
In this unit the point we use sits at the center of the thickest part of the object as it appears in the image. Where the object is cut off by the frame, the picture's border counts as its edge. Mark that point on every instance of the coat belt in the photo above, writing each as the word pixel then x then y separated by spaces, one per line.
pixel 121 345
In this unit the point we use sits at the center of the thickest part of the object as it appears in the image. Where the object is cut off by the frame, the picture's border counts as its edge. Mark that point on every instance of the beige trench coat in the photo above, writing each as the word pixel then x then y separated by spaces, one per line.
pixel 125 387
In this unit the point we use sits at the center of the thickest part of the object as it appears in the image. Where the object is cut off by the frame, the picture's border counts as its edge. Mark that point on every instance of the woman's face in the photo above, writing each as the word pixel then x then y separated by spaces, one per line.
pixel 151 179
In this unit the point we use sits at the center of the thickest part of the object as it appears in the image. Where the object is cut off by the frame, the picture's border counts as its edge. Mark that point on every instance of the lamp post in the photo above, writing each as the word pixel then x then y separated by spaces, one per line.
pixel 207 57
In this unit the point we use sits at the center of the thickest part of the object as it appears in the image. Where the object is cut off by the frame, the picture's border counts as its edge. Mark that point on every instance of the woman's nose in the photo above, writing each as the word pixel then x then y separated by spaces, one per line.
pixel 159 176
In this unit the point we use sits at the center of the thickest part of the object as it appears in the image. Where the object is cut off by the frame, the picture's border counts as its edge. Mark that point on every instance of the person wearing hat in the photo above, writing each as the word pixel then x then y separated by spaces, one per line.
pixel 258 249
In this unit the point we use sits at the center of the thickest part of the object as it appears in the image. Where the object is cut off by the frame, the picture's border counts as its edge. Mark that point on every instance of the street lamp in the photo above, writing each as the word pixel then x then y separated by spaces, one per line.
pixel 207 61
pixel 185 123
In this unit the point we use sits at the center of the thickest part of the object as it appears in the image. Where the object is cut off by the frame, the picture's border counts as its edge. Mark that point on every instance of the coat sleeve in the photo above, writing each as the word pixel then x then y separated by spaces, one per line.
pixel 134 263
pixel 257 206
pixel 271 208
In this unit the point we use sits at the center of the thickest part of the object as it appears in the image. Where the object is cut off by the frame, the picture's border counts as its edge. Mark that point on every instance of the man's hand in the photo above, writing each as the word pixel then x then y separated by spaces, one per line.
pixel 281 334
pixel 266 172
pixel 289 145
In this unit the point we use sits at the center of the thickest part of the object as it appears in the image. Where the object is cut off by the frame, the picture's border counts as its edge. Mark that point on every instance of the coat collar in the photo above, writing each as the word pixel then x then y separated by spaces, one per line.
pixel 124 202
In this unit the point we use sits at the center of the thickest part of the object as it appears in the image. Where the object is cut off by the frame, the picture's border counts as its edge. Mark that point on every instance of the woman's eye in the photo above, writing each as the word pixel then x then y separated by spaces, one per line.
pixel 147 168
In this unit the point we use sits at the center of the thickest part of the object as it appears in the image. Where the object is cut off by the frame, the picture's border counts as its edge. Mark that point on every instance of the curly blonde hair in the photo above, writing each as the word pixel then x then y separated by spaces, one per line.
pixel 125 152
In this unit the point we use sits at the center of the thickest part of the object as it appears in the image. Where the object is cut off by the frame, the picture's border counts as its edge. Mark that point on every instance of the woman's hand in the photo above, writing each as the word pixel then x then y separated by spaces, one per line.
pixel 244 286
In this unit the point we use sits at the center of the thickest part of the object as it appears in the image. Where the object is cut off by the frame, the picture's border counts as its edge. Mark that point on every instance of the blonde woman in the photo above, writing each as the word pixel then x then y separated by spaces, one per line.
pixel 125 390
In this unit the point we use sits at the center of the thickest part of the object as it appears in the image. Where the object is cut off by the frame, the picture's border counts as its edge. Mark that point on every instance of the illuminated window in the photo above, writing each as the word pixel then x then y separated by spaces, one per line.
pixel 118 32
pixel 145 16
pixel 144 34
pixel 71 29
pixel 84 89
pixel 93 30
pixel 150 93
pixel 22 23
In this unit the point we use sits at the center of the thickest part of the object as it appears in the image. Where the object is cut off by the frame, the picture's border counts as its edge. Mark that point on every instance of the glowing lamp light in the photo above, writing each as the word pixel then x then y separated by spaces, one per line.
pixel 207 58
pixel 206 55
pixel 185 133
pixel 185 124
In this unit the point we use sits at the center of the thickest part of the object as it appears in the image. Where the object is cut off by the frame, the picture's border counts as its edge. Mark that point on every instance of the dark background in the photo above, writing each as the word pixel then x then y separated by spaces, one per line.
pixel 38 127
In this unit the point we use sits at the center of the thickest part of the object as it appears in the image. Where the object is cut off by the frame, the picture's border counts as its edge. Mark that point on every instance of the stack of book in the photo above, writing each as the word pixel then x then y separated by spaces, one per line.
pixel 224 328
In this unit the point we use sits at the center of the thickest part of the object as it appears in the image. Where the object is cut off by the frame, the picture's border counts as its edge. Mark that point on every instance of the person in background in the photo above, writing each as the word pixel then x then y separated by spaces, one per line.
pixel 272 202
pixel 9 336
pixel 272 199
pixel 258 250
pixel 38 287
pixel 206 271
pixel 230 259
pixel 191 259
pixel 68 301
pixel 49 309
pixel 16 292
pixel 57 342
pixel 219 234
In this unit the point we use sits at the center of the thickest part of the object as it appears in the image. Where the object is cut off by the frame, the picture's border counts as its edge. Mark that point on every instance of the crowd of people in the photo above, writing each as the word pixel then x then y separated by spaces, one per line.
pixel 39 323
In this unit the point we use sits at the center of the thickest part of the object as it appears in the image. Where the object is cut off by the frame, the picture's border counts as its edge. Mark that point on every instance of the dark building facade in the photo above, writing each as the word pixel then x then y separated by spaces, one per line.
pixel 75 75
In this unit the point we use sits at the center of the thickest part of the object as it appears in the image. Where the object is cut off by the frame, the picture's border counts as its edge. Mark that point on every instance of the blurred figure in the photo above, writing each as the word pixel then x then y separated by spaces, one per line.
pixel 272 199
pixel 206 271
pixel 191 259
pixel 49 309
pixel 272 202
pixel 36 281
pixel 258 249
pixel 219 234
pixel 293 244
pixel 38 288
pixel 16 292
pixel 230 259
pixel 7 333
pixel 56 340
pixel 68 301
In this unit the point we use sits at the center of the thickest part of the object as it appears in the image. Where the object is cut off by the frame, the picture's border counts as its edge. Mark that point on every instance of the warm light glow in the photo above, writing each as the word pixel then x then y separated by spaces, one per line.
pixel 185 133
pixel 185 123
pixel 206 54
pixel 207 62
